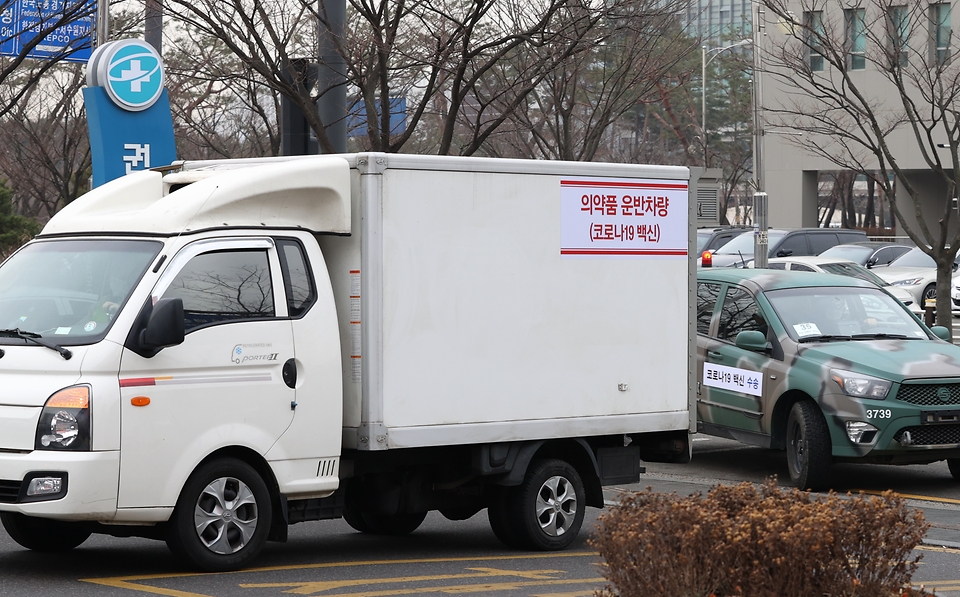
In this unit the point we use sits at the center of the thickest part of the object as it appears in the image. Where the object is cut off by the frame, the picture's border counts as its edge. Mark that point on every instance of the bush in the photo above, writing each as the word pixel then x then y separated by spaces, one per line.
pixel 751 541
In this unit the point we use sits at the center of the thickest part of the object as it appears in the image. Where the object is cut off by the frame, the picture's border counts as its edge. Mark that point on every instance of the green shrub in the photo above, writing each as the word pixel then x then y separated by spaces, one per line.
pixel 751 541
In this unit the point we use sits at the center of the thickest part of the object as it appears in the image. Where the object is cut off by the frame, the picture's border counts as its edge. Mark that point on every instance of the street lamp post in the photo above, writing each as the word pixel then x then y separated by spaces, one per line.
pixel 703 86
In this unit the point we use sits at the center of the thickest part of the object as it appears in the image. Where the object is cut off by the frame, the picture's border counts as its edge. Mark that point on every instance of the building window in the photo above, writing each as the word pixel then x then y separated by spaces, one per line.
pixel 898 22
pixel 856 38
pixel 940 32
pixel 813 21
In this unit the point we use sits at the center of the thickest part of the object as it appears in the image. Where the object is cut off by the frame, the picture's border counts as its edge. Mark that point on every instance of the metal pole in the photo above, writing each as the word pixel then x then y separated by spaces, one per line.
pixel 757 98
pixel 103 22
pixel 331 76
pixel 703 101
pixel 153 25
pixel 760 230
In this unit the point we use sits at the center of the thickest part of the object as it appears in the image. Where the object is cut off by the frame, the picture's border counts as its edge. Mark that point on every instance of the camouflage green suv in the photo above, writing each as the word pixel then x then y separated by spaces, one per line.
pixel 829 368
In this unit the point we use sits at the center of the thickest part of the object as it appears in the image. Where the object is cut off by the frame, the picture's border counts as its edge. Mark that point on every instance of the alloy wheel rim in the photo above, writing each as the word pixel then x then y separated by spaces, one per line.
pixel 225 516
pixel 556 506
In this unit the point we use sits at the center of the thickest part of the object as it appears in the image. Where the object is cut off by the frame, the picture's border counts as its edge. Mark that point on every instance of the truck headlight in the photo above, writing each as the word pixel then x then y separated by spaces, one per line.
pixel 859 385
pixel 65 421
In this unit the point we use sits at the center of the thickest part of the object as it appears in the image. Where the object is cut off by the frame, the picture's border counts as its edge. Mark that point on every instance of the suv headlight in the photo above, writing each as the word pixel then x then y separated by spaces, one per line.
pixel 65 421
pixel 859 385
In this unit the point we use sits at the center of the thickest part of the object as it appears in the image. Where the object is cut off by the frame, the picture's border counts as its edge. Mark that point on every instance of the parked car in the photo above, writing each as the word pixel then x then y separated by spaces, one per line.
pixel 783 243
pixel 915 272
pixel 826 367
pixel 843 267
pixel 867 253
pixel 714 237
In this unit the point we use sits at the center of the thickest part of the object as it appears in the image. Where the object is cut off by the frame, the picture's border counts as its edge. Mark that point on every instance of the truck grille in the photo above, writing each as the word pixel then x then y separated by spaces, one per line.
pixel 931 435
pixel 926 394
pixel 9 490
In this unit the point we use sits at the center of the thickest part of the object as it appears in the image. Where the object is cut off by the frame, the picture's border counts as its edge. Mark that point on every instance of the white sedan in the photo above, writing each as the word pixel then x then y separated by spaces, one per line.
pixel 915 272
pixel 843 267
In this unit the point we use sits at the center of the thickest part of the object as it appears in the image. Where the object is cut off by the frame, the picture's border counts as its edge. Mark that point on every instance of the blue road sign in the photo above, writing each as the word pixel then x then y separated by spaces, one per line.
pixel 68 25
pixel 357 118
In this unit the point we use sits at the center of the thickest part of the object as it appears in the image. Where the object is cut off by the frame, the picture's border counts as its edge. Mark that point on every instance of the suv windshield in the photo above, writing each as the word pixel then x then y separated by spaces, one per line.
pixel 744 243
pixel 829 313
pixel 69 290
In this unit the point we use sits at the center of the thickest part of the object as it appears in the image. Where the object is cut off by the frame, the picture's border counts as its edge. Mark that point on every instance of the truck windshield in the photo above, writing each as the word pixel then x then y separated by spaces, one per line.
pixel 70 290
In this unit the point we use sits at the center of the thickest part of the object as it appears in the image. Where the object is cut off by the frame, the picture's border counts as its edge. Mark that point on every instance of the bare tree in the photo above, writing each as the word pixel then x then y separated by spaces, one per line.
pixel 44 150
pixel 221 107
pixel 572 114
pixel 463 67
pixel 847 122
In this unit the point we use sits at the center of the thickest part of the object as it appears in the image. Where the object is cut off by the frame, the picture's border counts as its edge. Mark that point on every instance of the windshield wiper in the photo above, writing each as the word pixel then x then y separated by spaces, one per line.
pixel 36 339
pixel 882 336
pixel 823 338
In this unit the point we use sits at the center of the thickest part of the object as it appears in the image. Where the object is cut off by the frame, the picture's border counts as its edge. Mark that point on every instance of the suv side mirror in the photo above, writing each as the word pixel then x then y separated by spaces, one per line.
pixel 871 262
pixel 752 340
pixel 165 326
pixel 941 332
pixel 784 253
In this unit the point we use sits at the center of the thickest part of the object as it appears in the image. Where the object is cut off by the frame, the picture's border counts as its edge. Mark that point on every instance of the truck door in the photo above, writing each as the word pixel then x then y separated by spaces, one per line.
pixel 223 386
pixel 732 378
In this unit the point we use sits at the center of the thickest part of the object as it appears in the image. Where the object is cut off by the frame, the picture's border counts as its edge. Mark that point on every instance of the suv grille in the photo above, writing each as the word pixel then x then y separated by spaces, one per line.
pixel 931 435
pixel 926 394
pixel 9 490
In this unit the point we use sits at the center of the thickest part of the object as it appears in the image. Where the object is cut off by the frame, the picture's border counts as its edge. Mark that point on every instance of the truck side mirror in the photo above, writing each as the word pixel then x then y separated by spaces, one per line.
pixel 752 340
pixel 165 326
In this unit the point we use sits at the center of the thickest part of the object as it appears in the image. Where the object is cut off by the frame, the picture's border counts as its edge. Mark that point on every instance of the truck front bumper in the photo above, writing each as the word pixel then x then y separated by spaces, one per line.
pixel 90 484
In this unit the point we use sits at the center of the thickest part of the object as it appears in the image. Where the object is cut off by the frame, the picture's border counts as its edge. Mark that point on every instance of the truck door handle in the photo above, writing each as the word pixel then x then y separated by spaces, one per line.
pixel 289 373
pixel 715 355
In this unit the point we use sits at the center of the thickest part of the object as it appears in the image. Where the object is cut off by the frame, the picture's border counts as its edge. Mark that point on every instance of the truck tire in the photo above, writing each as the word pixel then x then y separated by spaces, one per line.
pixel 354 518
pixel 499 515
pixel 222 518
pixel 808 447
pixel 42 534
pixel 954 465
pixel 547 508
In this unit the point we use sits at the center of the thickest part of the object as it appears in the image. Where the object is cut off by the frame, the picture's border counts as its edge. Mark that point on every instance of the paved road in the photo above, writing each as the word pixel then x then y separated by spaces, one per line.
pixel 329 559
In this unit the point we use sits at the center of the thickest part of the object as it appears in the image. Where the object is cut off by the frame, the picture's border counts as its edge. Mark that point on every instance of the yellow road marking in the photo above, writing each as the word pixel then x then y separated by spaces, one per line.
pixel 132 582
pixel 308 588
pixel 926 498
pixel 475 588
pixel 574 594
pixel 936 549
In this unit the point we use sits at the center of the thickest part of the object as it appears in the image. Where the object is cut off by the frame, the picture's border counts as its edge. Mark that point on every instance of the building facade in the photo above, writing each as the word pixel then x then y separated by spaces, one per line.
pixel 843 43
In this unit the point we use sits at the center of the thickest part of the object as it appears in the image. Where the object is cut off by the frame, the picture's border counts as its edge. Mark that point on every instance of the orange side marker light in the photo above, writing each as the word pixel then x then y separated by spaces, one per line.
pixel 139 401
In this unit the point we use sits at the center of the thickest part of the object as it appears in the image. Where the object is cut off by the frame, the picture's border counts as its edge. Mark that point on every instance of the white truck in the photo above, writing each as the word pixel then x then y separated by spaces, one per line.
pixel 209 354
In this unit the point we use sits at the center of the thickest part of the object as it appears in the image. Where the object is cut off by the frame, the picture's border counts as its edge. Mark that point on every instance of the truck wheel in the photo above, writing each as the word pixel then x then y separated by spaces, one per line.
pixel 355 519
pixel 499 514
pixel 393 524
pixel 808 447
pixel 952 463
pixel 222 517
pixel 548 506
pixel 42 534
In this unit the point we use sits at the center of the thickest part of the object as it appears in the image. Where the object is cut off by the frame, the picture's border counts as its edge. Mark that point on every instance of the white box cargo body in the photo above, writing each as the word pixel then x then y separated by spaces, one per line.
pixel 210 354
pixel 475 327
